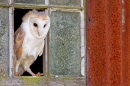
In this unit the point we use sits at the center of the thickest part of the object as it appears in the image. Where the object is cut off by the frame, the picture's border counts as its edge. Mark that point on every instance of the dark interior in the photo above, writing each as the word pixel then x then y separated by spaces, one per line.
pixel 37 66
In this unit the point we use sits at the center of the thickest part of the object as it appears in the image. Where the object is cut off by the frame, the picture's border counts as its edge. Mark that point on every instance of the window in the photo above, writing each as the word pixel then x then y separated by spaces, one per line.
pixel 64 52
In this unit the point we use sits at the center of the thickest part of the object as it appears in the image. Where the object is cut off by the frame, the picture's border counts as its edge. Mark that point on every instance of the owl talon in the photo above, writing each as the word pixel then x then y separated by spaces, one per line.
pixel 19 74
pixel 39 74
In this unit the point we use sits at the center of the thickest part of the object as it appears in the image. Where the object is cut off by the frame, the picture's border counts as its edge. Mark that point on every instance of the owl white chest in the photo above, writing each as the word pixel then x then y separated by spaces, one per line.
pixel 33 46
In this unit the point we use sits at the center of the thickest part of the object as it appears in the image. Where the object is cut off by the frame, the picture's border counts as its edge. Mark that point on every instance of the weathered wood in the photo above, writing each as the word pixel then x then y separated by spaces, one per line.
pixel 69 8
pixel 42 81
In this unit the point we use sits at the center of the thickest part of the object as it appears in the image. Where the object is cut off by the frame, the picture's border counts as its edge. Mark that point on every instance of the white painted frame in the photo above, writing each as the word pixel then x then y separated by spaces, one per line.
pixel 49 10
pixel 11 42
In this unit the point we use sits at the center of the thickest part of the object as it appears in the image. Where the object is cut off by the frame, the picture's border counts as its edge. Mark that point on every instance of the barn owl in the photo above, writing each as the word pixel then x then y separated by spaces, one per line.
pixel 29 40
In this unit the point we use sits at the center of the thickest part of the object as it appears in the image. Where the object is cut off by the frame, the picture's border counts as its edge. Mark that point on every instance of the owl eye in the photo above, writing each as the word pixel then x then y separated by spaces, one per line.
pixel 44 26
pixel 35 25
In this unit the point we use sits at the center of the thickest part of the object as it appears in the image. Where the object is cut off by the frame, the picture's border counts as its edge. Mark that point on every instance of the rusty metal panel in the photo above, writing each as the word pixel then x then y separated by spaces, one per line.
pixel 104 24
pixel 126 42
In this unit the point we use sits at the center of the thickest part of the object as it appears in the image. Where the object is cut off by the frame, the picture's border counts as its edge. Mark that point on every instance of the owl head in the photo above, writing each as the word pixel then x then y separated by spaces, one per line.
pixel 38 23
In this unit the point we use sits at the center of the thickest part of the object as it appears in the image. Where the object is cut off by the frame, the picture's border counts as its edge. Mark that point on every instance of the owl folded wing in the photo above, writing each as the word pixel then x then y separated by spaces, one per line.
pixel 18 42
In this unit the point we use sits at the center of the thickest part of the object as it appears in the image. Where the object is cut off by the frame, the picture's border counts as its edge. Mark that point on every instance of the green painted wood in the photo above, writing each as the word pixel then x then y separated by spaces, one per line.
pixel 30 1
pixel 4 41
pixel 66 2
pixel 65 43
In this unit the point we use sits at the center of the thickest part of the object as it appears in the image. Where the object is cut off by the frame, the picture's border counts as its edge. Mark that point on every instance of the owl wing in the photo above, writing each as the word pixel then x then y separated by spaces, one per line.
pixel 40 49
pixel 19 38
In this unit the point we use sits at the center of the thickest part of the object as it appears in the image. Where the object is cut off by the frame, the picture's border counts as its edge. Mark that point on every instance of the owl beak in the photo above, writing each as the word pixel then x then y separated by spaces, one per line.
pixel 38 33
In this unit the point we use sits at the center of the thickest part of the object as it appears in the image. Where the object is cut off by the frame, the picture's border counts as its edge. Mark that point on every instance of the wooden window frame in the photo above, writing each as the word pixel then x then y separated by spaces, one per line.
pixel 49 7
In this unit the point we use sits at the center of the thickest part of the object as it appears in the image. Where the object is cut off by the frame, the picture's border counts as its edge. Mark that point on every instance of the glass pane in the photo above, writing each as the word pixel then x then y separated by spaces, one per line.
pixel 65 43
pixel 3 1
pixel 30 1
pixel 66 2
pixel 4 41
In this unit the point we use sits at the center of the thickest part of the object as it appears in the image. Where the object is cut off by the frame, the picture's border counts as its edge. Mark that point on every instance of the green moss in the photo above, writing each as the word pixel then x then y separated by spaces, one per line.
pixel 31 80
pixel 69 78
pixel 4 5
pixel 3 77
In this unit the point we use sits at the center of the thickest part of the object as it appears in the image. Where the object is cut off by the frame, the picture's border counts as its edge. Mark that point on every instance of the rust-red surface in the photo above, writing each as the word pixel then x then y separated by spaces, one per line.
pixel 126 43
pixel 108 43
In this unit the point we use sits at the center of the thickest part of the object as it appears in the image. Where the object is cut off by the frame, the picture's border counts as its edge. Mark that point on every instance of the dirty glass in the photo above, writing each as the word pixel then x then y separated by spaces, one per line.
pixel 66 2
pixel 30 1
pixel 3 1
pixel 65 43
pixel 4 41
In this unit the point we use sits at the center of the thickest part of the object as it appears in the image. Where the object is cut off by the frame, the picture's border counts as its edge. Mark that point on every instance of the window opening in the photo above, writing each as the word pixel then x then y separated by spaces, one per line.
pixel 37 66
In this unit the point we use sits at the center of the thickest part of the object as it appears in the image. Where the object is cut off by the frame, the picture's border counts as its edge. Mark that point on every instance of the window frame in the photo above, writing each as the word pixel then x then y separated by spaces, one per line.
pixel 49 8
pixel 82 36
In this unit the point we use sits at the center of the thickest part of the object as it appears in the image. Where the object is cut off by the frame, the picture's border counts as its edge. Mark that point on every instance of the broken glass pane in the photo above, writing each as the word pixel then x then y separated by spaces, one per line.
pixel 65 43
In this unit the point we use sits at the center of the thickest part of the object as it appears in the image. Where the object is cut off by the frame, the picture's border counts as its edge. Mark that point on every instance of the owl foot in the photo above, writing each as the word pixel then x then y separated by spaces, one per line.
pixel 19 75
pixel 39 74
